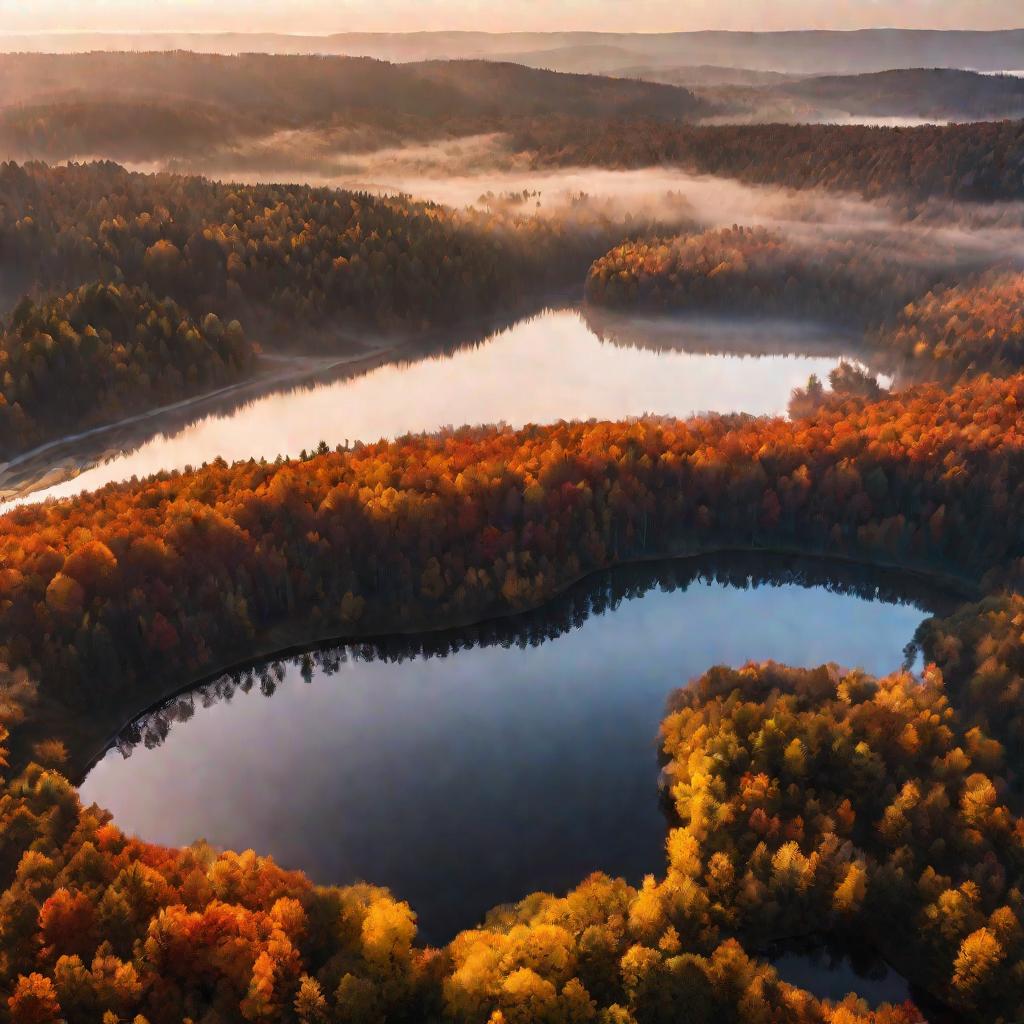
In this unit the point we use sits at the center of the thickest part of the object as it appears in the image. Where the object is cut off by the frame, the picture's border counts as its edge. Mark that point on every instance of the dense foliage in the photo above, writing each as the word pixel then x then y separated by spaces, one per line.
pixel 967 161
pixel 980 649
pixel 757 271
pixel 802 802
pixel 913 317
pixel 977 326
pixel 306 255
pixel 105 351
pixel 183 571
pixel 805 801
pixel 311 266
pixel 97 926
pixel 813 799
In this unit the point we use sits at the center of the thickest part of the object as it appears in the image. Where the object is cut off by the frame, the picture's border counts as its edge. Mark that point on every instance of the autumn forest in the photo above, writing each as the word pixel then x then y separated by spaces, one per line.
pixel 255 311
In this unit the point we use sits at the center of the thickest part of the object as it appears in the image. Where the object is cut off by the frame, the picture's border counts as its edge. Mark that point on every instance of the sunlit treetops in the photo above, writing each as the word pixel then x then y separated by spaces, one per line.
pixel 758 271
pixel 804 800
pixel 976 326
pixel 829 798
pixel 183 570
pixel 926 327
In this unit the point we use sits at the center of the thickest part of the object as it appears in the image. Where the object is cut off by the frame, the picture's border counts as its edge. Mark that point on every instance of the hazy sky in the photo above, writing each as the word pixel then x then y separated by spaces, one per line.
pixel 318 16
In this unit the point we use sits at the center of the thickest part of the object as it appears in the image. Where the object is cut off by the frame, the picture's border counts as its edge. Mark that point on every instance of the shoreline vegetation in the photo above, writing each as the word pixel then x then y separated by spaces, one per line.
pixel 294 260
pixel 371 351
pixel 928 322
pixel 491 518
pixel 289 644
pixel 802 799
pixel 562 501
pixel 183 267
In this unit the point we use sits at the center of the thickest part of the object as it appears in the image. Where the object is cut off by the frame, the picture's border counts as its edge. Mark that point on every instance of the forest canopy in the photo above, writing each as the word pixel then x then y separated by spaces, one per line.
pixel 800 802
pixel 302 255
pixel 104 351
pixel 926 320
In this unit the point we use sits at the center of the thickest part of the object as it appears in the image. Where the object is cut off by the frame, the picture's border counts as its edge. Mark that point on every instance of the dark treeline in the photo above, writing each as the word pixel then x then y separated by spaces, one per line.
pixel 305 255
pixel 310 266
pixel 105 351
pixel 973 162
pixel 599 594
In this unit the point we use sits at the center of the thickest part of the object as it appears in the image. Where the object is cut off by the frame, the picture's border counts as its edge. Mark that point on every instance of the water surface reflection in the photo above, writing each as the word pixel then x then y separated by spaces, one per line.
pixel 469 768
pixel 540 370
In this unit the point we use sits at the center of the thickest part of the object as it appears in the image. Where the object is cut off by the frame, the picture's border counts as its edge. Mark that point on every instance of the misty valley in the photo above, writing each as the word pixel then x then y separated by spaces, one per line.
pixel 522 527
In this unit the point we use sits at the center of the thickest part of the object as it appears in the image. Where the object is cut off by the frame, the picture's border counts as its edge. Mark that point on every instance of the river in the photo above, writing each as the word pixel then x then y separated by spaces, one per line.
pixel 552 366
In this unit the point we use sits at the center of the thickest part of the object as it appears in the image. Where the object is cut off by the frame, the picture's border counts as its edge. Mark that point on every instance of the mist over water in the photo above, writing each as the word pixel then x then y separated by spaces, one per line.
pixel 956 236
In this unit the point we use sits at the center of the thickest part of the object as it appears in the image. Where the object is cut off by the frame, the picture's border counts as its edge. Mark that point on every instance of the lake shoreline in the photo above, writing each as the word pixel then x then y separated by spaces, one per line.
pixel 496 369
pixel 312 367
pixel 286 642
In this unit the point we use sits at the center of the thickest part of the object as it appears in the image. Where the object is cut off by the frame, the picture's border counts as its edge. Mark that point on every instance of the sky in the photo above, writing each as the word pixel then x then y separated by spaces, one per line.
pixel 323 16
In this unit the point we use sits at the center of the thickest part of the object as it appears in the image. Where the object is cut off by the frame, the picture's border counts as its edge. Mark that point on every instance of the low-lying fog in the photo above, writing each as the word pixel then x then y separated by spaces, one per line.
pixel 479 172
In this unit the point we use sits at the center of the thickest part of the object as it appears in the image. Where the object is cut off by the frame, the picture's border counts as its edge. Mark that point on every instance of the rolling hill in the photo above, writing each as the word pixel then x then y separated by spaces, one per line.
pixel 792 52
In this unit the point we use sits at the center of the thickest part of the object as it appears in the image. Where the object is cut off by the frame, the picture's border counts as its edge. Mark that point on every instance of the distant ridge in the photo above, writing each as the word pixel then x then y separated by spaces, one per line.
pixel 797 52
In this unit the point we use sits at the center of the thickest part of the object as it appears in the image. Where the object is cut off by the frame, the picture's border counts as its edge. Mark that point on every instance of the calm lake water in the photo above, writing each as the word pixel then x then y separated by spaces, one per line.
pixel 468 769
pixel 550 367
pixel 831 974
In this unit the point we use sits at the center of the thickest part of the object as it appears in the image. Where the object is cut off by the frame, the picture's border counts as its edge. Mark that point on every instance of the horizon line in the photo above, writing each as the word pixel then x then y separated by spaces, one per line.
pixel 485 32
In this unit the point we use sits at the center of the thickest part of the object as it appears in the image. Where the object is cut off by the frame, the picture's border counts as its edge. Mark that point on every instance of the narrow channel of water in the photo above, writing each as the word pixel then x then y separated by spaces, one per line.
pixel 550 367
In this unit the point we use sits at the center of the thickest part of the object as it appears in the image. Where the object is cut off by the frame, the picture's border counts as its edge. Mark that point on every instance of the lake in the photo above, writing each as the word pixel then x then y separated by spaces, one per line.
pixel 469 768
pixel 548 367
pixel 832 973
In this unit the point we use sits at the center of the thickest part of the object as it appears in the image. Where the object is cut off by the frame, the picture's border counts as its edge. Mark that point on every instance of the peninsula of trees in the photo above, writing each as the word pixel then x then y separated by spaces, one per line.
pixel 106 351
